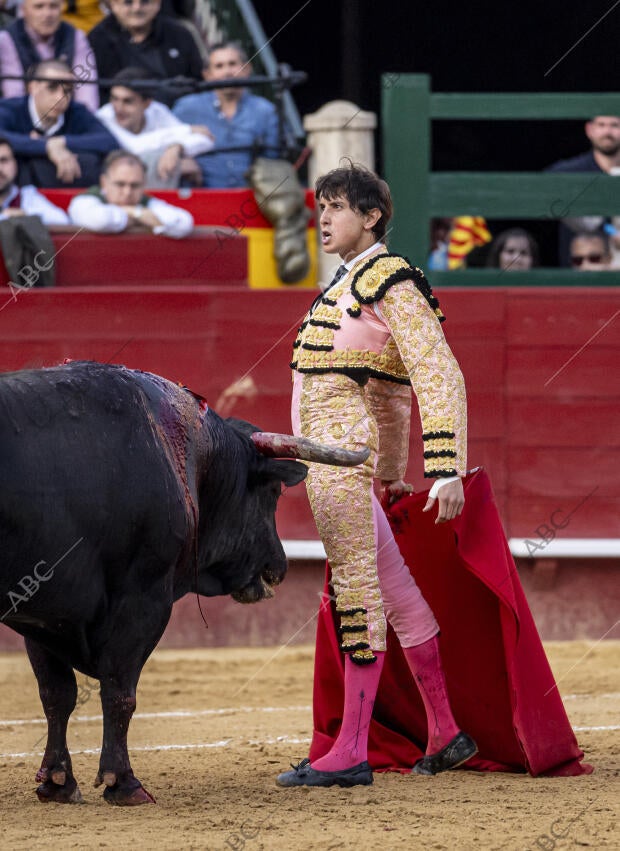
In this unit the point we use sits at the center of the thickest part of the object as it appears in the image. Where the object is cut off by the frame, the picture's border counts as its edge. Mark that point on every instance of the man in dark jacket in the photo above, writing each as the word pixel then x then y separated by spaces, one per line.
pixel 135 33
pixel 603 132
pixel 58 143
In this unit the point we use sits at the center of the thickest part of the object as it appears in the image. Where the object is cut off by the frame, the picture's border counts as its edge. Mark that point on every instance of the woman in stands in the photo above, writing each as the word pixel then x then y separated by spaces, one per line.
pixel 513 250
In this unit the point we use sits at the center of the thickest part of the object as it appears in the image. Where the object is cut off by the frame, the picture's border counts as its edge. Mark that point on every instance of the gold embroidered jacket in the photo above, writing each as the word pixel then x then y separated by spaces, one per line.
pixel 381 326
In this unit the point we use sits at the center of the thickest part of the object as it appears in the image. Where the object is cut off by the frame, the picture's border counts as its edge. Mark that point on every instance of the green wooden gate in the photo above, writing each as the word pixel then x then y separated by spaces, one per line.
pixel 408 107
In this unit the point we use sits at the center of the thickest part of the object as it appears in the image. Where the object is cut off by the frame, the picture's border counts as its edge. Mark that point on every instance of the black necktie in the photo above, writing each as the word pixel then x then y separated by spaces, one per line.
pixel 341 271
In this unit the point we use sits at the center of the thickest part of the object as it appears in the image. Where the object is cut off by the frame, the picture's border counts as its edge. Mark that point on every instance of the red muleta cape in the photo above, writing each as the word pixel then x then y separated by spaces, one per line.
pixel 500 684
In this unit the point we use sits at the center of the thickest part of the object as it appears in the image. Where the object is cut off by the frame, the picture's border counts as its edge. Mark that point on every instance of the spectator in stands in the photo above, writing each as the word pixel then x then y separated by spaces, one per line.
pixel 135 33
pixel 41 34
pixel 120 203
pixel 440 238
pixel 148 129
pixel 590 252
pixel 58 143
pixel 513 250
pixel 86 14
pixel 603 131
pixel 24 201
pixel 234 116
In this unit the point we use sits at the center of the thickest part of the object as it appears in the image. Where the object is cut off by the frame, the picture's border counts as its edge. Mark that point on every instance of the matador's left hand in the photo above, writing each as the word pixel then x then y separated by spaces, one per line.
pixel 392 491
pixel 451 501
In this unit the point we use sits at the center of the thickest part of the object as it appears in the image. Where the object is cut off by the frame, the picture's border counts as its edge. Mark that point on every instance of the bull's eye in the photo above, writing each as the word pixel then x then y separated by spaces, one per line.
pixel 267 485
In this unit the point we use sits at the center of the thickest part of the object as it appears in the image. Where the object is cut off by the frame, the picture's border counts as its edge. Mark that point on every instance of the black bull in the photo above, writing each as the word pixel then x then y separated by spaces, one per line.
pixel 120 493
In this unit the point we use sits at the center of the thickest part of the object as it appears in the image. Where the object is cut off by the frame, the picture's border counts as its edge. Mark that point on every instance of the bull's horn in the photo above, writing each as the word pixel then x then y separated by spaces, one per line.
pixel 287 446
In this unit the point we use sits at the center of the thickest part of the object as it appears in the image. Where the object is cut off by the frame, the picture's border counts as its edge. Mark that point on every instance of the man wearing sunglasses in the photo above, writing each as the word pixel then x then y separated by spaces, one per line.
pixel 136 34
pixel 58 143
pixel 589 252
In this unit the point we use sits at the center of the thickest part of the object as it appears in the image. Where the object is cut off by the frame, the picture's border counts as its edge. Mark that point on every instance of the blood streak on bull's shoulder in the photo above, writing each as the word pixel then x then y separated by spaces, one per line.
pixel 203 407
pixel 179 416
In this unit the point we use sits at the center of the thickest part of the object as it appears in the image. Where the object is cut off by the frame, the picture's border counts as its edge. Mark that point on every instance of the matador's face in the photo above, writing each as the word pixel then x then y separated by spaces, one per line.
pixel 345 231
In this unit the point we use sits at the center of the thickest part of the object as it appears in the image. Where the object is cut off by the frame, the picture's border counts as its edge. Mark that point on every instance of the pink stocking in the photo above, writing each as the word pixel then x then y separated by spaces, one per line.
pixel 360 688
pixel 425 664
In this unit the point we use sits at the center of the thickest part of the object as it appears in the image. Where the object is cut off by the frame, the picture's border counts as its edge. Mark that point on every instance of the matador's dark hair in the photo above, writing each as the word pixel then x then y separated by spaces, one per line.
pixel 363 189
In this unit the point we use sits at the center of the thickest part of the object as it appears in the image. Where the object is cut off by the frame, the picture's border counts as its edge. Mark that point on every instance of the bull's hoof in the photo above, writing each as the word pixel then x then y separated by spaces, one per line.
pixel 59 793
pixel 123 797
pixel 123 791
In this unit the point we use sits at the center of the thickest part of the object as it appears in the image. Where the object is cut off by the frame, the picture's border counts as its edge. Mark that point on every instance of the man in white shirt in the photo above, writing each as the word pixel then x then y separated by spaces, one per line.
pixel 147 128
pixel 119 202
pixel 24 201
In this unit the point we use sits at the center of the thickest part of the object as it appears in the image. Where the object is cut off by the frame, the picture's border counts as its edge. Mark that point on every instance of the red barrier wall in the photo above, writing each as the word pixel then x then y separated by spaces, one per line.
pixel 540 367
pixel 94 260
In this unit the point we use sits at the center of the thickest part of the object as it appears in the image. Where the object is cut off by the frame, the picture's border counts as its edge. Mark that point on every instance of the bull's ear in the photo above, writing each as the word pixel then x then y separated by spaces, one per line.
pixel 290 472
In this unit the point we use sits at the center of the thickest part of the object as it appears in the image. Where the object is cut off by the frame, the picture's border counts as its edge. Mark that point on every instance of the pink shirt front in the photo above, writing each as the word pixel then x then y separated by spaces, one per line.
pixel 84 66
pixel 367 333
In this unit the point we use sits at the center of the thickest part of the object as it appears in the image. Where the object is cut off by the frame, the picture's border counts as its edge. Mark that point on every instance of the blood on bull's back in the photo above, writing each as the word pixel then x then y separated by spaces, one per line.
pixel 84 482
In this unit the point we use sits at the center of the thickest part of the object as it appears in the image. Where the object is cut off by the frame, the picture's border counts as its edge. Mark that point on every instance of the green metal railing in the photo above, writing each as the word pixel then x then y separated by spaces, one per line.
pixel 408 107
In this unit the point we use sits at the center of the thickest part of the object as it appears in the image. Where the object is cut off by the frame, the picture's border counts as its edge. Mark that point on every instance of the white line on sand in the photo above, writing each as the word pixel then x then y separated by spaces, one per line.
pixel 223 743
pixel 178 713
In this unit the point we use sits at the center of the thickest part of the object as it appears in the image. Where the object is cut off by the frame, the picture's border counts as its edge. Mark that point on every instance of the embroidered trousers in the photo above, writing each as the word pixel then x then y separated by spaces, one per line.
pixel 369 577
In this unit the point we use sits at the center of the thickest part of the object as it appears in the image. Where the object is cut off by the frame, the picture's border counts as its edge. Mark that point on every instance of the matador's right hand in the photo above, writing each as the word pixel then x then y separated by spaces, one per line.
pixel 451 500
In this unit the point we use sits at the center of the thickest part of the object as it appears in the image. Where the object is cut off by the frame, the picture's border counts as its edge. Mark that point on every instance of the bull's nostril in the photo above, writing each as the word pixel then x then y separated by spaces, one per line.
pixel 267 589
pixel 274 574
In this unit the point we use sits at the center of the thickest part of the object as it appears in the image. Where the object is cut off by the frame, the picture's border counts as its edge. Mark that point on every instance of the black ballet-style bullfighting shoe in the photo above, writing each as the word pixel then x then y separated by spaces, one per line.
pixel 304 775
pixel 456 752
